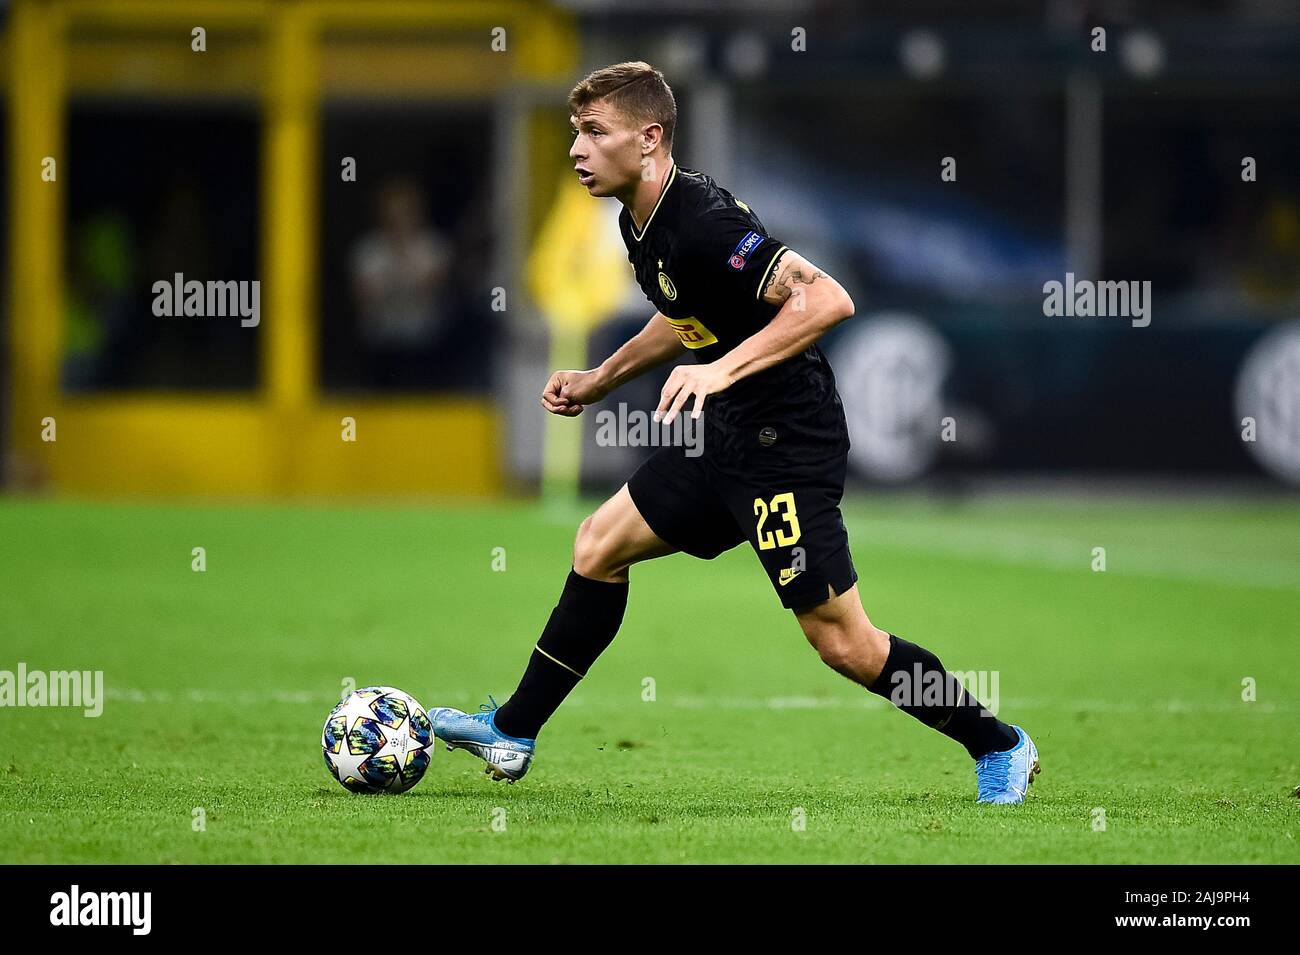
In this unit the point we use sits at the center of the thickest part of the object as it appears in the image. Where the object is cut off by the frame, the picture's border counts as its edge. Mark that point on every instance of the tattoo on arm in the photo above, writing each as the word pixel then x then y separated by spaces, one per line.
pixel 796 271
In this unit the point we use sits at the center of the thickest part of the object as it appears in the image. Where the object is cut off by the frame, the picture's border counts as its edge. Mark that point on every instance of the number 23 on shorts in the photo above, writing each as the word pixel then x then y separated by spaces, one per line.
pixel 782 504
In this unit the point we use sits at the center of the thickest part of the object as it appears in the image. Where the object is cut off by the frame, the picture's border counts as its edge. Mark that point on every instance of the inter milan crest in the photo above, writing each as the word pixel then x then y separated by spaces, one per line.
pixel 666 284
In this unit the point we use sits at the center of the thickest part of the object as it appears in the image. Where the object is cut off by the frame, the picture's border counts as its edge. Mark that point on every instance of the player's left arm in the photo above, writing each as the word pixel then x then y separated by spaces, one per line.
pixel 811 302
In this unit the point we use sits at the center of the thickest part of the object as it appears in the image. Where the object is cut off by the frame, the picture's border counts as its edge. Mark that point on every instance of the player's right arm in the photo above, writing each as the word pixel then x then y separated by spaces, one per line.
pixel 568 392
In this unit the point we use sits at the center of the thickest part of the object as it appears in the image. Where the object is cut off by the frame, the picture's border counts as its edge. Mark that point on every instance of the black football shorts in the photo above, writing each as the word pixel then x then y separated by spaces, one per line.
pixel 784 498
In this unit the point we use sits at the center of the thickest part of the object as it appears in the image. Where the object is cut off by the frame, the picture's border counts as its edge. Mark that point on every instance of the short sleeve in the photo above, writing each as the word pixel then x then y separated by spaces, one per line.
pixel 732 252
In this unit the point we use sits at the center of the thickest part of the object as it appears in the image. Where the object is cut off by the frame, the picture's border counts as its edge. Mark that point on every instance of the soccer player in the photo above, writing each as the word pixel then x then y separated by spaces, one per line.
pixel 749 310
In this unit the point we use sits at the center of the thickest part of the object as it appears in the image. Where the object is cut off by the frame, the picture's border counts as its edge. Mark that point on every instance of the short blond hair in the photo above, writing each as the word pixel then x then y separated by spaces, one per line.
pixel 635 89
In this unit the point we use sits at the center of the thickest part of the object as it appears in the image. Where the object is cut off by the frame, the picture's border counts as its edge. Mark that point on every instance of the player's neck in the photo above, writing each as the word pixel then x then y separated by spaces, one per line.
pixel 641 201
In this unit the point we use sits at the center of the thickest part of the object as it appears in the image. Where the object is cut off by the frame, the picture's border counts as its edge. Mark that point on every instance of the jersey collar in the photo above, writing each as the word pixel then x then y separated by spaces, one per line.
pixel 672 175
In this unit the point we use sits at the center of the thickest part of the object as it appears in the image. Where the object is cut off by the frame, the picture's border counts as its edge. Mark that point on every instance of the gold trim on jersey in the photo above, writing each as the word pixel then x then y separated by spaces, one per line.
pixel 672 175
pixel 691 332
pixel 762 281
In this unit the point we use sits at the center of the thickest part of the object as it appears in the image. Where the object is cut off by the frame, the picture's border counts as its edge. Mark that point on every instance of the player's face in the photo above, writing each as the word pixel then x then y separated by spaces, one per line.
pixel 606 150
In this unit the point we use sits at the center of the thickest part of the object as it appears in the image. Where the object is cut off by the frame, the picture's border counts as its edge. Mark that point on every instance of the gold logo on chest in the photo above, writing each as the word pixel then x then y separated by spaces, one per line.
pixel 666 284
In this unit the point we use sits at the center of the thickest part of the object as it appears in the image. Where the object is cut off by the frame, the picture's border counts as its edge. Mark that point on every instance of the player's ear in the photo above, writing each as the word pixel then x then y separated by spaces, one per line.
pixel 651 136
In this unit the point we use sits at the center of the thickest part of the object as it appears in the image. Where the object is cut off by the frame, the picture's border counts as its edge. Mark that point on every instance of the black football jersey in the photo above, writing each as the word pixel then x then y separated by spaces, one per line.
pixel 703 259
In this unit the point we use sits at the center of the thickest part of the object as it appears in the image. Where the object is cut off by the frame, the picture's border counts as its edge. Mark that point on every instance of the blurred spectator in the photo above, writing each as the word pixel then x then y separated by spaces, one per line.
pixel 1269 274
pixel 96 305
pixel 399 274
pixel 1250 263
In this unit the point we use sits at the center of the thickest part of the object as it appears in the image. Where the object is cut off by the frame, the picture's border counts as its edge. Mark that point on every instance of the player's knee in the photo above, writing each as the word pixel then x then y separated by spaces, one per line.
pixel 833 643
pixel 591 551
pixel 585 551
pixel 856 649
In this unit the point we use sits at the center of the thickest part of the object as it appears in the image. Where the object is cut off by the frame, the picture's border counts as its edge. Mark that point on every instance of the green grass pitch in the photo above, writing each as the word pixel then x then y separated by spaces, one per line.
pixel 1130 681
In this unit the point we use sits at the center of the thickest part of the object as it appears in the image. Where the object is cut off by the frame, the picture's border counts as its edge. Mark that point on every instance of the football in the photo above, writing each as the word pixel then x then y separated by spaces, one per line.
pixel 377 740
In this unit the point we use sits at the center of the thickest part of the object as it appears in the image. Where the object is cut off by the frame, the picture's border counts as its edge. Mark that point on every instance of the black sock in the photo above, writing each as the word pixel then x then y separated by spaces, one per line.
pixel 582 625
pixel 915 681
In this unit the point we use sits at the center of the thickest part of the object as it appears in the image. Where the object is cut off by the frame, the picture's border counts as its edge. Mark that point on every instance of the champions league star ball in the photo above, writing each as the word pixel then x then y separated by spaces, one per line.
pixel 377 740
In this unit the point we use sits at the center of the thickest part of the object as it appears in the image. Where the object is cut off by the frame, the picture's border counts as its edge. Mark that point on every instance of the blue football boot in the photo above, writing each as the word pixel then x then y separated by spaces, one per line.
pixel 507 757
pixel 1005 777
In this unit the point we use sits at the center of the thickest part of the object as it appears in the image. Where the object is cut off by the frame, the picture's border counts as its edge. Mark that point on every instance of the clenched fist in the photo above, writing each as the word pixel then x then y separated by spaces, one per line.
pixel 568 392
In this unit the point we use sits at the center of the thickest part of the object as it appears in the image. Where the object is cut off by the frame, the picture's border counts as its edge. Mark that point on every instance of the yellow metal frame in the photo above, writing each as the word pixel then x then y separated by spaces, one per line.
pixel 285 437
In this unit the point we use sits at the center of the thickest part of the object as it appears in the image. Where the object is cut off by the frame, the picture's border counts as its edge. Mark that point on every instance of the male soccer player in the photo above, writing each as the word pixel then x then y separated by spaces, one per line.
pixel 775 444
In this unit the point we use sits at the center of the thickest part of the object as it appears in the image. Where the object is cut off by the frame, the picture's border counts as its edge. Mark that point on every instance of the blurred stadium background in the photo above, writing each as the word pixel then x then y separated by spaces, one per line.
pixel 417 297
